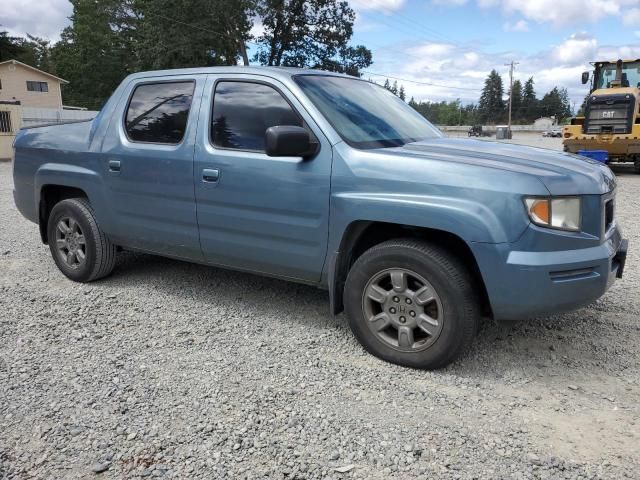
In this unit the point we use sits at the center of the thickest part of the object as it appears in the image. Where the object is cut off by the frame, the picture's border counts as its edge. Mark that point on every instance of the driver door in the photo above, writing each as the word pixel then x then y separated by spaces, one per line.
pixel 255 212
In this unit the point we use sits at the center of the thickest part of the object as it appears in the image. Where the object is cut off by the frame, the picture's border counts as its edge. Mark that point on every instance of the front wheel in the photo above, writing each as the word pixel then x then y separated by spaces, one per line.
pixel 636 165
pixel 79 247
pixel 412 303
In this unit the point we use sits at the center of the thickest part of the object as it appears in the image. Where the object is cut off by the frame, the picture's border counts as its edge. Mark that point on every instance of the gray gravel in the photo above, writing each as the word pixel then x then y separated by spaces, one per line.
pixel 168 369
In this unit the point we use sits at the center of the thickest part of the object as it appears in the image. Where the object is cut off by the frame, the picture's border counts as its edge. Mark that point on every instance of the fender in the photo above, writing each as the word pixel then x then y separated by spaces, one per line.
pixel 468 220
pixel 85 179
pixel 465 218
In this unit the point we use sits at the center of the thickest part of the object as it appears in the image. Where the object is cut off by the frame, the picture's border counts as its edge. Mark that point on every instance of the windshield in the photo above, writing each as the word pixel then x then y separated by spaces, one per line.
pixel 364 114
pixel 607 74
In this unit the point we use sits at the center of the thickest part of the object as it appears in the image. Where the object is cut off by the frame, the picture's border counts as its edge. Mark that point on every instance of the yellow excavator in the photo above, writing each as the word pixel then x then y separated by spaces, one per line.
pixel 610 127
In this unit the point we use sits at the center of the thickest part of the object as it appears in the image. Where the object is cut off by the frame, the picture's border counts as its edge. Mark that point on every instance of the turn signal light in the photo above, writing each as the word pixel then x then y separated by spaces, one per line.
pixel 563 213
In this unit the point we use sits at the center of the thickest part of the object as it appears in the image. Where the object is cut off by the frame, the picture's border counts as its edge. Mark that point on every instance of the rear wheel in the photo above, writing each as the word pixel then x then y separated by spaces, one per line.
pixel 412 303
pixel 79 248
pixel 636 164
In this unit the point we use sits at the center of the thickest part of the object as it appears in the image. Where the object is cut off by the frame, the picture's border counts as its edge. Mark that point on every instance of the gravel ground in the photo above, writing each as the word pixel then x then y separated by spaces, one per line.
pixel 168 369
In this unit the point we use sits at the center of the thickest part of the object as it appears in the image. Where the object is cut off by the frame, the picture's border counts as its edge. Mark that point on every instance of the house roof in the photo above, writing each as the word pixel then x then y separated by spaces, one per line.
pixel 16 62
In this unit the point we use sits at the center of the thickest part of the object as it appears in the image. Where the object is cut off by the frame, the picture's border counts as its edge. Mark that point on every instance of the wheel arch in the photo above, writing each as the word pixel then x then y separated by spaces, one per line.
pixel 50 195
pixel 58 181
pixel 361 235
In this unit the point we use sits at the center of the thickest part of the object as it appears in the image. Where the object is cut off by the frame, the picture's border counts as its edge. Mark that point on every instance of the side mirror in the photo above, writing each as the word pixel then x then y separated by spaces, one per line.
pixel 585 77
pixel 289 141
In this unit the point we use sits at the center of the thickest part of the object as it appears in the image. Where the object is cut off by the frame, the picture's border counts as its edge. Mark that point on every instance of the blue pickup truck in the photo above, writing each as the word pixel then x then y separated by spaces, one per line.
pixel 331 181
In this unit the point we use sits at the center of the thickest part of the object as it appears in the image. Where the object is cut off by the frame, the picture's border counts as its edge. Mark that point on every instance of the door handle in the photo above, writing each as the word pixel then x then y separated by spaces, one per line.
pixel 114 166
pixel 210 175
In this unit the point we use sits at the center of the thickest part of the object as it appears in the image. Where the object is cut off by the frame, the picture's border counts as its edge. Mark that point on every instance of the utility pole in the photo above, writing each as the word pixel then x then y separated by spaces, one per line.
pixel 511 67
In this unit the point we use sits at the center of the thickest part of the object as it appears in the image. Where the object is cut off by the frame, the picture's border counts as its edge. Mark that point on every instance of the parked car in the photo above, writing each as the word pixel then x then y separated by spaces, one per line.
pixel 554 132
pixel 331 181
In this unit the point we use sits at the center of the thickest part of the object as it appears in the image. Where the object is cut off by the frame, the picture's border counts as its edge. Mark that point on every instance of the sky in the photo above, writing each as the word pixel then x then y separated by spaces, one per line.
pixel 444 49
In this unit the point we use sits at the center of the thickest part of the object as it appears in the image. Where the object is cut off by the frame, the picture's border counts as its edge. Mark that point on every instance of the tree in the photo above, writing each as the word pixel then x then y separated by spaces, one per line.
pixel 556 104
pixel 10 47
pixel 516 100
pixel 351 60
pixel 387 85
pixel 31 50
pixel 108 39
pixel 217 32
pixel 447 113
pixel 401 93
pixel 529 110
pixel 308 33
pixel 92 54
pixel 491 105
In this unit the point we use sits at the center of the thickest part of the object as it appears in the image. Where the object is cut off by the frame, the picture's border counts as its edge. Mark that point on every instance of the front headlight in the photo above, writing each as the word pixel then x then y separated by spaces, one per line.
pixel 562 213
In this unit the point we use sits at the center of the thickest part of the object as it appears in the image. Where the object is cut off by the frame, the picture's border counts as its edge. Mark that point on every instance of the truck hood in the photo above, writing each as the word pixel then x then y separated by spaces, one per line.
pixel 561 173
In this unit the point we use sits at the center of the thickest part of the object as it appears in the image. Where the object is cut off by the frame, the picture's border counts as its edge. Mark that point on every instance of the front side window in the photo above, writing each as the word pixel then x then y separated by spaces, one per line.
pixel 364 114
pixel 158 112
pixel 243 111
pixel 37 86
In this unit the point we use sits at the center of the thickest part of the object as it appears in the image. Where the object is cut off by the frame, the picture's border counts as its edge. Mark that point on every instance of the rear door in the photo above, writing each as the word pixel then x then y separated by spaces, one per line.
pixel 148 164
pixel 255 212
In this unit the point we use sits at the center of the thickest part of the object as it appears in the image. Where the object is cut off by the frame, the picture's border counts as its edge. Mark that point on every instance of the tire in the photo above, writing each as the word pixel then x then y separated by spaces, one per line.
pixel 428 269
pixel 636 165
pixel 72 228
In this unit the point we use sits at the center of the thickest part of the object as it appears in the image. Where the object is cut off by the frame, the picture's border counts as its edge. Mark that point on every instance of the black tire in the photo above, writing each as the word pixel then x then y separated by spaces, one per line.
pixel 446 274
pixel 636 165
pixel 98 251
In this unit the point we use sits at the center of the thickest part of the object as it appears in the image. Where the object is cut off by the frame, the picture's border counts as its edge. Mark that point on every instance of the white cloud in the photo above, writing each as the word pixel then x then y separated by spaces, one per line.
pixel 36 17
pixel 631 17
pixel 578 48
pixel 519 26
pixel 450 3
pixel 386 6
pixel 560 12
pixel 460 70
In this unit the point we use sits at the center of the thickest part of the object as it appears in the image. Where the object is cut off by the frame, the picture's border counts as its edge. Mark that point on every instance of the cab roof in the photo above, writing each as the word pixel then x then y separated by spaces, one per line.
pixel 273 72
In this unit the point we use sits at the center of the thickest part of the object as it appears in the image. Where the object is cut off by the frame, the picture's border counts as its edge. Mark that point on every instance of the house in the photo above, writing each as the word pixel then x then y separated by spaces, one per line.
pixel 30 86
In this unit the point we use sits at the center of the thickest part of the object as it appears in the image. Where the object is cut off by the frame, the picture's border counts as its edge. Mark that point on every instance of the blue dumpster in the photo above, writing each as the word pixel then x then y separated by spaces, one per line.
pixel 599 155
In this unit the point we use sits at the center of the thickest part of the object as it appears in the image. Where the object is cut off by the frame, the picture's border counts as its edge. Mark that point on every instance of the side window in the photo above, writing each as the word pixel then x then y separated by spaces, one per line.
pixel 158 112
pixel 37 86
pixel 243 111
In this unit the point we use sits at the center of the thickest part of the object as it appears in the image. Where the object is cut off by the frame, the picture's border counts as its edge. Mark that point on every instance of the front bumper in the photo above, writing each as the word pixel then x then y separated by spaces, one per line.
pixel 526 284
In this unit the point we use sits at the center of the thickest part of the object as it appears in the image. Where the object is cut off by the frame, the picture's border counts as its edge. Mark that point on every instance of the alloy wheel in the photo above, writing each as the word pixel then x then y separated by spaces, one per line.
pixel 402 309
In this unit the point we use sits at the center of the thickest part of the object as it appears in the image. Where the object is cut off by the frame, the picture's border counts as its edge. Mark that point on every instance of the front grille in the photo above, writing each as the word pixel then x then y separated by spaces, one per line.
pixel 609 114
pixel 608 214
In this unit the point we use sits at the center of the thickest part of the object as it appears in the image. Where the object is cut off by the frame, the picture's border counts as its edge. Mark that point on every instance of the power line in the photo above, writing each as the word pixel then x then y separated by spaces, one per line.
pixel 420 83
pixel 403 23
pixel 419 27
pixel 197 27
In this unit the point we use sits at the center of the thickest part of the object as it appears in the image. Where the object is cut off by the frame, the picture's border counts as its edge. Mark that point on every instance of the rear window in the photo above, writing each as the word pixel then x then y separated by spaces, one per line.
pixel 158 112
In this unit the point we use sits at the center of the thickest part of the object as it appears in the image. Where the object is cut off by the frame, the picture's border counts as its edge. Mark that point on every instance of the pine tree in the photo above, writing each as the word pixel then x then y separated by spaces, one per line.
pixel 387 85
pixel 529 109
pixel 516 101
pixel 491 104
pixel 556 104
pixel 394 88
pixel 401 93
